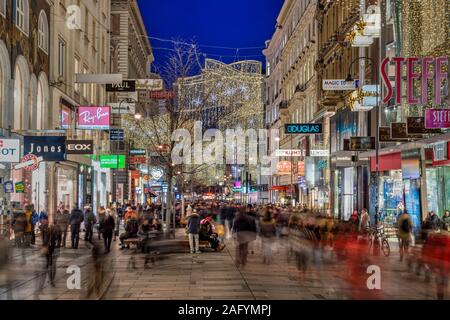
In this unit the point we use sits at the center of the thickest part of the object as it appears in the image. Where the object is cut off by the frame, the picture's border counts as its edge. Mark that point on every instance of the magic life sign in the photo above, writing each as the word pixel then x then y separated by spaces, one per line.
pixel 303 128
pixel 50 148
pixel 339 85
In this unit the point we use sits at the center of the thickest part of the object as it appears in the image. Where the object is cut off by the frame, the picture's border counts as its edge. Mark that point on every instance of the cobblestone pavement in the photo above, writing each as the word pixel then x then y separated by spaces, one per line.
pixel 173 273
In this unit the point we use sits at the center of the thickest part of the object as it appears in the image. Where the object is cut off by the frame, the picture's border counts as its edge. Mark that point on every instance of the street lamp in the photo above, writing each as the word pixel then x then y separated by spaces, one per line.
pixel 375 68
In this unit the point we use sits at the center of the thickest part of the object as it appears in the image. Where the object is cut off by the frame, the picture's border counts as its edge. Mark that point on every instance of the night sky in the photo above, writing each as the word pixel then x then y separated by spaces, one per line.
pixel 224 23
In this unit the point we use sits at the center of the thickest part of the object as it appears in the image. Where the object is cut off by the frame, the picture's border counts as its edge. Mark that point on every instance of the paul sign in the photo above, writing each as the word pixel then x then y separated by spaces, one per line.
pixel 80 146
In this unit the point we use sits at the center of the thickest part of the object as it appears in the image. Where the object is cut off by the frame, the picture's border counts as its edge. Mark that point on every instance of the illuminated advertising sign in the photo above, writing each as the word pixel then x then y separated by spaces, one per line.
pixel 303 128
pixel 94 118
pixel 112 161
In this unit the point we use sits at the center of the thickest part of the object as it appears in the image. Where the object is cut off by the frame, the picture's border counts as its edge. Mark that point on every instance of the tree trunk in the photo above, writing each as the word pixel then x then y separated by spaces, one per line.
pixel 169 203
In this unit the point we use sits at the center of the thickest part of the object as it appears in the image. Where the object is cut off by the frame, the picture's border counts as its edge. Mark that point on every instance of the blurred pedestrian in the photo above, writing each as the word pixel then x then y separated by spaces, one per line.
pixel 193 228
pixel 76 218
pixel 89 222
pixel 50 254
pixel 34 222
pixel 244 229
pixel 268 232
pixel 107 226
pixel 62 223
pixel 404 233
pixel 101 217
pixel 446 220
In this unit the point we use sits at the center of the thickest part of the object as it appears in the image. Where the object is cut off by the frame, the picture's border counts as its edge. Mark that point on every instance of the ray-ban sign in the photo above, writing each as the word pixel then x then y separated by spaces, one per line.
pixel 303 128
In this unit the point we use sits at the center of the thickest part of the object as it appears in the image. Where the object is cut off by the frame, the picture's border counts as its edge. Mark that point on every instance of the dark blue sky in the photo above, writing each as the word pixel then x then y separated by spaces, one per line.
pixel 224 23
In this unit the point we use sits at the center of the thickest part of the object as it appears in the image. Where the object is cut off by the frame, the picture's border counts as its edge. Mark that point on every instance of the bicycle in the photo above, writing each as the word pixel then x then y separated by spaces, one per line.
pixel 376 234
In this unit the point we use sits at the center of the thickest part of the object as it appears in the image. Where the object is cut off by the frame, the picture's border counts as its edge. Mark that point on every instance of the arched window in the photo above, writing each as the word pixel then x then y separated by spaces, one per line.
pixel 3 8
pixel 43 32
pixel 22 15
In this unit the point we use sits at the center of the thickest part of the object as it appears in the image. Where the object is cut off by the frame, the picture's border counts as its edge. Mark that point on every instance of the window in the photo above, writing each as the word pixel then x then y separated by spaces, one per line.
pixel 77 66
pixel 22 15
pixel 43 32
pixel 440 151
pixel 3 8
pixel 62 57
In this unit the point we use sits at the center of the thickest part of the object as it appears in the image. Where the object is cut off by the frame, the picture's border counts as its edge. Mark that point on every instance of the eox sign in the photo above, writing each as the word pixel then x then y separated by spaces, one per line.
pixel 303 128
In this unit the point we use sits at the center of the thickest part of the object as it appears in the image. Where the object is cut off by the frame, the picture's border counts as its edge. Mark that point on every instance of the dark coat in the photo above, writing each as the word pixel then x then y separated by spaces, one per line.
pixel 244 227
pixel 107 225
pixel 76 217
pixel 193 224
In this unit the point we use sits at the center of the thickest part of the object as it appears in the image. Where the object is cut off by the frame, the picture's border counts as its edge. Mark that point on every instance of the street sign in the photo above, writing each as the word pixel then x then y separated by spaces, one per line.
pixel 303 128
pixel 116 135
pixel 80 146
pixel 9 150
pixel 339 85
pixel 112 161
pixel 149 84
pixel 124 86
pixel 29 162
pixel 124 108
pixel 288 153
pixel 362 143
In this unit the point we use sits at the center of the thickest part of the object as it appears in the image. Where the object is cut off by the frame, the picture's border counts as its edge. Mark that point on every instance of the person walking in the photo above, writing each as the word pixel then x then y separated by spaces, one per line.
pixel 28 226
pixel 101 217
pixel 89 222
pixel 62 223
pixel 19 223
pixel 107 226
pixel 76 218
pixel 50 254
pixel 364 222
pixel 268 232
pixel 244 229
pixel 34 221
pixel 404 233
pixel 193 227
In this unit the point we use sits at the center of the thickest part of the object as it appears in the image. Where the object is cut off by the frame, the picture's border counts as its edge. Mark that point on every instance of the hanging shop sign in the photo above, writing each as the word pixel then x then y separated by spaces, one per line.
pixel 319 153
pixel 399 131
pixel 138 160
pixel 385 134
pixel 98 78
pixel 339 85
pixel 50 148
pixel 116 134
pixel 284 167
pixel 9 150
pixel 289 153
pixel 162 95
pixel 362 143
pixel 123 108
pixel 149 84
pixel 94 118
pixel 364 99
pixel 303 128
pixel 416 125
pixel 29 162
pixel 112 161
pixel 8 187
pixel 138 152
pixel 124 86
pixel 437 118
pixel 432 69
pixel 19 187
pixel 65 117
pixel 80 146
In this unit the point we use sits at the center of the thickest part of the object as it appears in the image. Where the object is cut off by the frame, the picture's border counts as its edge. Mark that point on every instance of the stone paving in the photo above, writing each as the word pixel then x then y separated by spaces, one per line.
pixel 174 274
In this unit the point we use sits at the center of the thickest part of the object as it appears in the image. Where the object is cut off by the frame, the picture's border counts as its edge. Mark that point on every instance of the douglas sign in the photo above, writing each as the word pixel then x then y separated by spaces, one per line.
pixel 305 128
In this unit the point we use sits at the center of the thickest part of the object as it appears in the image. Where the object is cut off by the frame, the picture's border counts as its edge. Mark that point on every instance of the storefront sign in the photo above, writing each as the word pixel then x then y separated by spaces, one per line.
pixel 364 99
pixel 123 108
pixel 162 95
pixel 303 128
pixel 339 85
pixel 50 148
pixel 284 167
pixel 29 162
pixel 80 146
pixel 65 118
pixel 8 187
pixel 319 153
pixel 416 125
pixel 94 118
pixel 437 118
pixel 9 150
pixel 138 160
pixel 116 135
pixel 124 86
pixel 437 75
pixel 385 134
pixel 398 131
pixel 112 161
pixel 149 84
pixel 19 187
pixel 289 153
pixel 135 174
pixel 362 143
pixel 138 152
pixel 98 78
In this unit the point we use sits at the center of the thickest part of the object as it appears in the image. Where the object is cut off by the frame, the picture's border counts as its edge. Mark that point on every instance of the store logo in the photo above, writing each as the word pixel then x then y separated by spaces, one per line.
pixel 306 128
pixel 49 148
pixel 80 146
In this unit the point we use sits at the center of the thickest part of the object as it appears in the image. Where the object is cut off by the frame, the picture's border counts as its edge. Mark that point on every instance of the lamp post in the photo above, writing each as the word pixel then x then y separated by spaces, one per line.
pixel 375 70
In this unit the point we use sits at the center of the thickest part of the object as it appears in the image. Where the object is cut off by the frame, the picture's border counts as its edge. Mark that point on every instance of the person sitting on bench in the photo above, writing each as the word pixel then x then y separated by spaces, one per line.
pixel 131 230
pixel 208 233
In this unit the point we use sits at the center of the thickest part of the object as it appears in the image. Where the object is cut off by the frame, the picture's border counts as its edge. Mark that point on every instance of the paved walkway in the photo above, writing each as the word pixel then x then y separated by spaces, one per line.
pixel 176 274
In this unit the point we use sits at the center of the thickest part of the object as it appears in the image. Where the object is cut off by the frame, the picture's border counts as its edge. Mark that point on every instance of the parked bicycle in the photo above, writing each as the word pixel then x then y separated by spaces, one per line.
pixel 377 236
